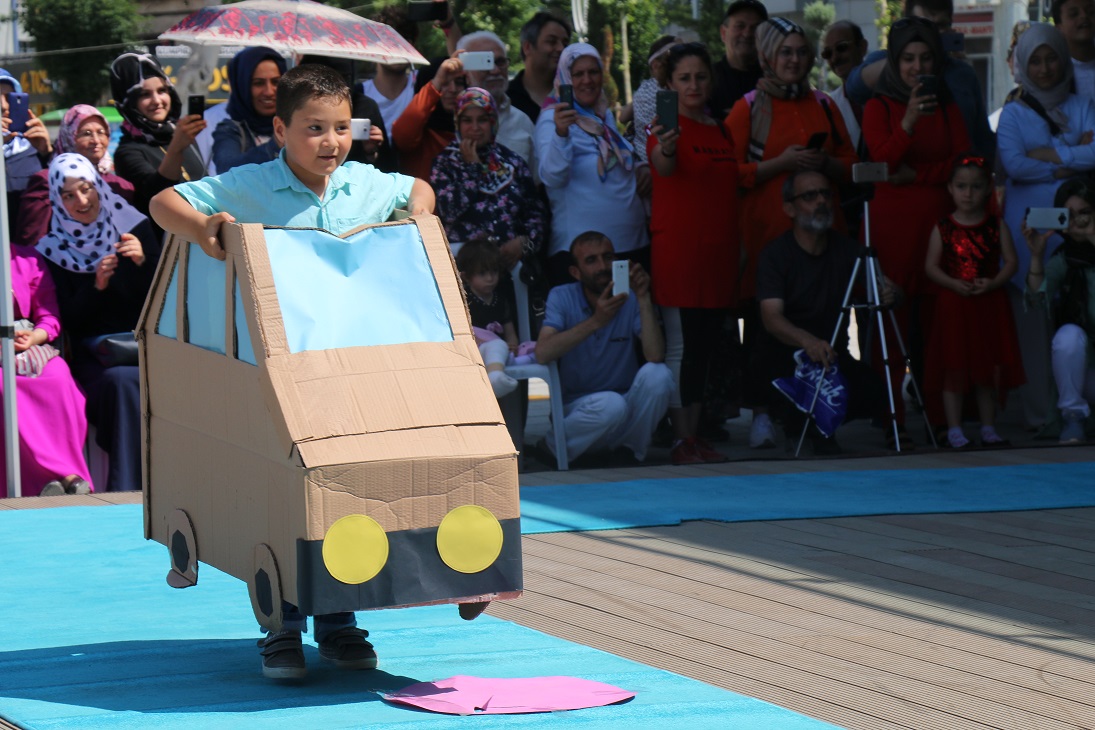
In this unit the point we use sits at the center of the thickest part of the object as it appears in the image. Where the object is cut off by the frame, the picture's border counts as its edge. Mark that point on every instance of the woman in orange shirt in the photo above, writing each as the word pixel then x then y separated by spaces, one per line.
pixel 772 129
pixel 426 126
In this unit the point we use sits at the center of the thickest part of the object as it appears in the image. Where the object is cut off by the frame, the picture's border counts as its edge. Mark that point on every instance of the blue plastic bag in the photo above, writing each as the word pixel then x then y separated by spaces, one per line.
pixel 831 405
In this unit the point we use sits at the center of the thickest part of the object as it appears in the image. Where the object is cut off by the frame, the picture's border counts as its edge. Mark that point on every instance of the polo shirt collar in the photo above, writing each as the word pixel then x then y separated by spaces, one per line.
pixel 282 178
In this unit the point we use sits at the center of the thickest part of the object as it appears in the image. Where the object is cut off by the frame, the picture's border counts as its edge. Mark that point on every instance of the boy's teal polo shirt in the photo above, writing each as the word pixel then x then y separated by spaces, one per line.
pixel 271 194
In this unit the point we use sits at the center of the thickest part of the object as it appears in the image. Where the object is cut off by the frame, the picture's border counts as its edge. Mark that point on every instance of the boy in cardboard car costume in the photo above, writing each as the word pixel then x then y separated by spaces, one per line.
pixel 318 421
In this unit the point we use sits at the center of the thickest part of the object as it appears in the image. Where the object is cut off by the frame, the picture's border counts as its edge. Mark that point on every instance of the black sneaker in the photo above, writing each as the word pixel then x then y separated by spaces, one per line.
pixel 283 656
pixel 348 649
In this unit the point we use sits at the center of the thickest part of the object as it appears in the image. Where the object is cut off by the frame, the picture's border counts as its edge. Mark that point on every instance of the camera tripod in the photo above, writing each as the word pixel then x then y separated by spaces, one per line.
pixel 867 260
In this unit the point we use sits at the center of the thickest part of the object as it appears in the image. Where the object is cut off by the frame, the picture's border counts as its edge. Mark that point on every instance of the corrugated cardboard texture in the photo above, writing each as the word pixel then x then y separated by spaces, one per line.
pixel 275 453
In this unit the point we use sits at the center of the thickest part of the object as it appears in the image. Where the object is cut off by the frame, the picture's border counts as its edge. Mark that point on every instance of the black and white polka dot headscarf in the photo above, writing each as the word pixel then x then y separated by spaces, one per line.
pixel 77 246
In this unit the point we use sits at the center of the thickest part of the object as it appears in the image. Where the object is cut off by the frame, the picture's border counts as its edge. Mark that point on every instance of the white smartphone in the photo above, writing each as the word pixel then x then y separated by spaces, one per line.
pixel 359 129
pixel 1047 219
pixel 621 277
pixel 477 60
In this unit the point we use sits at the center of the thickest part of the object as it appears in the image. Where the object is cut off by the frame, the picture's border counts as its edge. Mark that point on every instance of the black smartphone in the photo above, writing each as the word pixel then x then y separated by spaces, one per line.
pixel 566 94
pixel 665 106
pixel 18 111
pixel 817 139
pixel 422 11
pixel 929 84
pixel 195 104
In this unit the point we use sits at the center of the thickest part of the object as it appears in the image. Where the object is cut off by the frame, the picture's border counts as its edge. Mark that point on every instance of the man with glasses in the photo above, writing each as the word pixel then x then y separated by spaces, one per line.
pixel 514 126
pixel 958 75
pixel 802 277
pixel 737 72
pixel 843 48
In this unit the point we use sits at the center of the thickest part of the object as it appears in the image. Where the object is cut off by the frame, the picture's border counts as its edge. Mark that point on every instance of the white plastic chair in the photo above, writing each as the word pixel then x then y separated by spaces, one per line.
pixel 548 373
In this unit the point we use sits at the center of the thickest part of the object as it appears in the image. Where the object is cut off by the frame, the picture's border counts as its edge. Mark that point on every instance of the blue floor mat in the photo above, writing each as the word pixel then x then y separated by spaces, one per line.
pixel 649 502
pixel 96 639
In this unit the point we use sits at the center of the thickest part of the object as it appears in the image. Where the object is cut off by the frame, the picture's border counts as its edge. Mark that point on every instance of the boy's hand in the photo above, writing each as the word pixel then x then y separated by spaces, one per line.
pixel 210 241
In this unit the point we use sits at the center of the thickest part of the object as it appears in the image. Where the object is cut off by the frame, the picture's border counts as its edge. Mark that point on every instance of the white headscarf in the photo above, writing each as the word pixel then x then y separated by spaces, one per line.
pixel 1038 35
pixel 77 246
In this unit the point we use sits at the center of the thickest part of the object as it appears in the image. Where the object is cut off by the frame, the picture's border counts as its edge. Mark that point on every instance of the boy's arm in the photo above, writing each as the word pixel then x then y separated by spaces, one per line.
pixel 174 214
pixel 422 200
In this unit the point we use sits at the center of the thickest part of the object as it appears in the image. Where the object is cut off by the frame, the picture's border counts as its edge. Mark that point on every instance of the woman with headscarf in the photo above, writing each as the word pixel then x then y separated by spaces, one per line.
pixel 52 424
pixel 26 152
pixel 588 168
pixel 771 130
pixel 157 148
pixel 917 130
pixel 102 254
pixel 1044 137
pixel 247 135
pixel 426 126
pixel 484 189
pixel 85 131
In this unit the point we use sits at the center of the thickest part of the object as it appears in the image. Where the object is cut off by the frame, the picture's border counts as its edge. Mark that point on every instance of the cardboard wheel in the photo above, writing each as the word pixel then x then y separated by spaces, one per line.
pixel 182 548
pixel 264 587
pixel 469 611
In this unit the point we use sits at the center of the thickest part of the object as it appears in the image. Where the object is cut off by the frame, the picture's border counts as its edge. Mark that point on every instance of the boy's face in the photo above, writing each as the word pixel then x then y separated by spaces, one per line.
pixel 316 140
pixel 1078 21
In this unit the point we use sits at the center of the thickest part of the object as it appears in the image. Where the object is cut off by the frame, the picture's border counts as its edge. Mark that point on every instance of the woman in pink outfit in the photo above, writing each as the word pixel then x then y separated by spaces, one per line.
pixel 52 422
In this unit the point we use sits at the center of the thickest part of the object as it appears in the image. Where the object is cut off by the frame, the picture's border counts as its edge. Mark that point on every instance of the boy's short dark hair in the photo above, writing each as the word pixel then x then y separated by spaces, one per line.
pixel 309 81
pixel 582 239
pixel 530 31
pixel 932 6
pixel 478 257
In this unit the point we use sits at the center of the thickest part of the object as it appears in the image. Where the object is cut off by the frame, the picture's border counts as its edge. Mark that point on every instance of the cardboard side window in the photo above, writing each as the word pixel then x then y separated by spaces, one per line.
pixel 377 284
pixel 168 322
pixel 245 352
pixel 205 300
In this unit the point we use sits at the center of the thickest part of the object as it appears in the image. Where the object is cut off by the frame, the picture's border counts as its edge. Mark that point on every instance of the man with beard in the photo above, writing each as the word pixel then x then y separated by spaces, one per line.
pixel 802 277
pixel 737 73
pixel 609 400
pixel 543 39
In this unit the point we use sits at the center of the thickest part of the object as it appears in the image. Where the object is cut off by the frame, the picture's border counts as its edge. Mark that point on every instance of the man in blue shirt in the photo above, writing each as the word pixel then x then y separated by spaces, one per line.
pixel 958 75
pixel 609 400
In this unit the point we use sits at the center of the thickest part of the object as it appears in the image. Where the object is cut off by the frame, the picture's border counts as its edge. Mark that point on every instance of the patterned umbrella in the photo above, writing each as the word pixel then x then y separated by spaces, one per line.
pixel 295 26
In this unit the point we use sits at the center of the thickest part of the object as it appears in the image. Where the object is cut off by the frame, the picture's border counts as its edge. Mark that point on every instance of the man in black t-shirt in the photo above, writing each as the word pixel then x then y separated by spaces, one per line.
pixel 543 39
pixel 737 72
pixel 802 277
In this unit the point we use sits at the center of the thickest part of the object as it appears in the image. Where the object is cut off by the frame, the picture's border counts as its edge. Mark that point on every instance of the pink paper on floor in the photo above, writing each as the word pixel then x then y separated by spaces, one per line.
pixel 486 696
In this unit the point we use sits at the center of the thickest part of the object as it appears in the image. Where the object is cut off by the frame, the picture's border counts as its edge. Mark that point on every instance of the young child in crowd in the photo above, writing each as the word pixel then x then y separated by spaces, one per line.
pixel 972 344
pixel 492 316
pixel 307 185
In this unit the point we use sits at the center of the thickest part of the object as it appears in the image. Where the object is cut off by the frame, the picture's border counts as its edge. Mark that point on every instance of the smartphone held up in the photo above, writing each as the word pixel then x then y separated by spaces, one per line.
pixel 18 111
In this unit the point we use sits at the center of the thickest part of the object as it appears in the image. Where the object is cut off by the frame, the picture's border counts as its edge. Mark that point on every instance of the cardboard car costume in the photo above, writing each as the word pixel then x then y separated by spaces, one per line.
pixel 319 424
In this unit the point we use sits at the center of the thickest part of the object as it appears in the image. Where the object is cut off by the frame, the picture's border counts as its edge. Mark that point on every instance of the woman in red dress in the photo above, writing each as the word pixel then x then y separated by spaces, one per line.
pixel 913 125
pixel 694 258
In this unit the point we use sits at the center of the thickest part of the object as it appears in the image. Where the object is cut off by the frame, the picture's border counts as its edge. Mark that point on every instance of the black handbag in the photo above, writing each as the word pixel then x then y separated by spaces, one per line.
pixel 115 349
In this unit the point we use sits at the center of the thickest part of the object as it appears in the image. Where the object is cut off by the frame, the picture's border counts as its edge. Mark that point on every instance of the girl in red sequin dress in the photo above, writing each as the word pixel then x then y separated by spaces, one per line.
pixel 972 342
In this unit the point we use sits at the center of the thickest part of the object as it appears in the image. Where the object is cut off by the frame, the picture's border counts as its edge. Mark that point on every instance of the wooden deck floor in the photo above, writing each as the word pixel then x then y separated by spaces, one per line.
pixel 920 622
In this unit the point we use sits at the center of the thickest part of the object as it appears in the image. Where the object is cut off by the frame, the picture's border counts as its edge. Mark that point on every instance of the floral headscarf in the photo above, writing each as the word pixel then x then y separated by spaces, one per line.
pixel 612 148
pixel 70 127
pixel 496 175
pixel 127 76
pixel 770 37
pixel 77 246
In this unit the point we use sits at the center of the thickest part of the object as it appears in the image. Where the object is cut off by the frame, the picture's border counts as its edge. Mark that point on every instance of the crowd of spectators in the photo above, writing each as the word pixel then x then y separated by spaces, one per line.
pixel 744 207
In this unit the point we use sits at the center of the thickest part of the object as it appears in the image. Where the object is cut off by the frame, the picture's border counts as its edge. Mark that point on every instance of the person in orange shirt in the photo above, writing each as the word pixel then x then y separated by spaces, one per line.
pixel 781 127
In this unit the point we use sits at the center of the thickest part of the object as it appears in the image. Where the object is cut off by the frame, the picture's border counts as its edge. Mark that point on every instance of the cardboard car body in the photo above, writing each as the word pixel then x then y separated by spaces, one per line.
pixel 319 424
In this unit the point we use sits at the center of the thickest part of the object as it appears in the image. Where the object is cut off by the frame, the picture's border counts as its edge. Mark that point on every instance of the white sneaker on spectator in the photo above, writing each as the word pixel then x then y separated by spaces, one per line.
pixel 762 435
